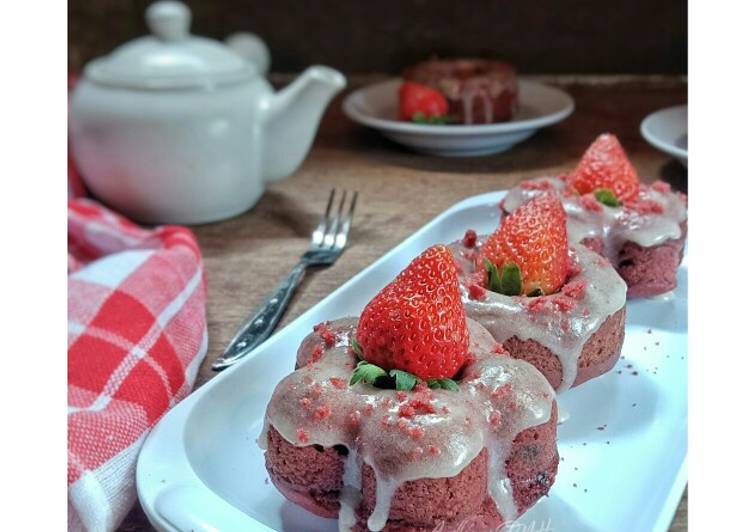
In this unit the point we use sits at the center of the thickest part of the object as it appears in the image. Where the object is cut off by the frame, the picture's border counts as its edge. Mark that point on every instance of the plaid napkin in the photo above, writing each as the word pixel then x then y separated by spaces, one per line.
pixel 136 336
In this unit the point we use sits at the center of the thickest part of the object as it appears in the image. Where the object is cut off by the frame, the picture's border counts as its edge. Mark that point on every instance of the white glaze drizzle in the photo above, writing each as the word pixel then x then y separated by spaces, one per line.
pixel 563 332
pixel 613 225
pixel 435 443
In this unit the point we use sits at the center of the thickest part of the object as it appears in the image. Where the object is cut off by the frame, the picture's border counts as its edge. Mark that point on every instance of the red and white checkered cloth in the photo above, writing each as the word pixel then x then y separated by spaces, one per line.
pixel 136 336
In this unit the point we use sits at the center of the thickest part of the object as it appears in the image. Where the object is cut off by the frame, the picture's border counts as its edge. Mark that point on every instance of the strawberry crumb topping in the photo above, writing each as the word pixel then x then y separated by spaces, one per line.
pixel 500 350
pixel 316 389
pixel 575 289
pixel 536 185
pixel 661 186
pixel 401 395
pixel 315 355
pixel 322 412
pixel 501 391
pixel 326 334
pixel 476 292
pixel 338 382
pixel 416 432
pixel 433 450
pixel 445 409
pixel 368 409
pixel 648 207
pixel 422 405
pixel 406 411
pixel 305 402
pixel 354 418
pixel 416 453
pixel 421 387
pixel 470 238
pixel 564 303
pixel 538 304
pixel 589 202
pixel 495 418
pixel 302 436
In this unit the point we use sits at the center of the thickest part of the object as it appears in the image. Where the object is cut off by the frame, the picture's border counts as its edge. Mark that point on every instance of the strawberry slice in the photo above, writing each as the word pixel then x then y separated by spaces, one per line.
pixel 605 166
pixel 528 253
pixel 420 103
pixel 417 323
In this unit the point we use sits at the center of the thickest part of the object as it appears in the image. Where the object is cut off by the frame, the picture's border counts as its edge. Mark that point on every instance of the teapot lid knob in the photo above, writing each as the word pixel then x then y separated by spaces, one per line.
pixel 169 20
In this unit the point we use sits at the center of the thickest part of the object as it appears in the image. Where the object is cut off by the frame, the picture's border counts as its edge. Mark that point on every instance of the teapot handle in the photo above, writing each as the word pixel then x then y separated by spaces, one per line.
pixel 251 48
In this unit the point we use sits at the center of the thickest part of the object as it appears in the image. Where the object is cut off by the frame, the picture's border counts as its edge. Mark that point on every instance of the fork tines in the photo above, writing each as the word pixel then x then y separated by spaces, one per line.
pixel 333 228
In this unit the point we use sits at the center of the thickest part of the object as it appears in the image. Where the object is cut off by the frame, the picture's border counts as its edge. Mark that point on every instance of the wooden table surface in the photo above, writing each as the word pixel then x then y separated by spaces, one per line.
pixel 399 192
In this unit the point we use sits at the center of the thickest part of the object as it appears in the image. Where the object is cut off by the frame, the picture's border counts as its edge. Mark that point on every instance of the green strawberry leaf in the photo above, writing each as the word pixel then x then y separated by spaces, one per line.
pixel 366 372
pixel 404 381
pixel 606 197
pixel 420 118
pixel 357 348
pixel 537 292
pixel 511 279
pixel 494 280
pixel 443 384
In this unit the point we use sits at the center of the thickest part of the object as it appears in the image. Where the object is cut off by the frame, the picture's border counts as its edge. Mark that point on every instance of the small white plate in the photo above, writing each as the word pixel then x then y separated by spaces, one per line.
pixel 623 449
pixel 667 130
pixel 377 106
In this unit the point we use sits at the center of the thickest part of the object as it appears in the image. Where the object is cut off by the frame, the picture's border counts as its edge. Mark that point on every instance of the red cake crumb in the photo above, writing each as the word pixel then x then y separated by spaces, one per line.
pixel 305 402
pixel 322 412
pixel 315 355
pixel 422 405
pixel 338 383
pixel 476 292
pixel 416 432
pixel 499 349
pixel 316 389
pixel 648 207
pixel 536 185
pixel 564 303
pixel 302 436
pixel 402 424
pixel 406 411
pixel 537 304
pixel 323 330
pixel 386 402
pixel 661 186
pixel 354 418
pixel 589 202
pixel 445 409
pixel 470 238
pixel 416 453
pixel 421 387
pixel 575 289
pixel 368 409
pixel 495 418
pixel 501 391
pixel 433 450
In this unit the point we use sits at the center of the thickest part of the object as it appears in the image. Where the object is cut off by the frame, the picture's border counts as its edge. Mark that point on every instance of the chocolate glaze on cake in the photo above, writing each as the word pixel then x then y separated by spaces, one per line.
pixel 644 241
pixel 384 445
pixel 570 336
pixel 478 91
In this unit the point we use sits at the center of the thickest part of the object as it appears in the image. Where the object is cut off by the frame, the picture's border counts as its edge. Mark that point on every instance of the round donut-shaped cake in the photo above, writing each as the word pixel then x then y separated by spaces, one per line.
pixel 382 459
pixel 478 91
pixel 643 240
pixel 571 336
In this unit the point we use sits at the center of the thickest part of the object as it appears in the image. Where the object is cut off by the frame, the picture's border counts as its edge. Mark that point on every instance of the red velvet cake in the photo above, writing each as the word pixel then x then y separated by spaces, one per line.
pixel 640 229
pixel 478 91
pixel 412 417
pixel 566 314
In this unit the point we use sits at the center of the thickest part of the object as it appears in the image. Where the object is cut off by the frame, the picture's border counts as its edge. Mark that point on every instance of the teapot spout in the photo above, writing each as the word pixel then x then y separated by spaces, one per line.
pixel 293 117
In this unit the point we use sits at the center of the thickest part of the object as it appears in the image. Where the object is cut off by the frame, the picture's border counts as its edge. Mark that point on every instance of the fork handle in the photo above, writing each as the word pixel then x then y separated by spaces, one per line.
pixel 261 324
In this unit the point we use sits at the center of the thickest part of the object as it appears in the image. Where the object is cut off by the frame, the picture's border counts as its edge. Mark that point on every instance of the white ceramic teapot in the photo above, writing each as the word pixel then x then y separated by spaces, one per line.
pixel 173 128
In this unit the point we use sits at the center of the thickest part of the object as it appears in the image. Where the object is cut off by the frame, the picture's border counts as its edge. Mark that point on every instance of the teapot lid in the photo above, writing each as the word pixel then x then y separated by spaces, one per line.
pixel 170 58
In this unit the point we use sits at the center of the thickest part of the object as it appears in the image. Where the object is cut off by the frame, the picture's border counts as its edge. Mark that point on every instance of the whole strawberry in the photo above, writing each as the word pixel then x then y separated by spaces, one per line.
pixel 528 253
pixel 420 103
pixel 605 166
pixel 417 323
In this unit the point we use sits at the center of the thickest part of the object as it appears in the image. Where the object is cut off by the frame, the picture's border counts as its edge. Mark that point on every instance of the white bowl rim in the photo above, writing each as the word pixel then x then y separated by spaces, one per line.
pixel 658 142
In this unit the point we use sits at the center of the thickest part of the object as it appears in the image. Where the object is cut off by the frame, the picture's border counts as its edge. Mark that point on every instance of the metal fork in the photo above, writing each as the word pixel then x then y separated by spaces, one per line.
pixel 326 245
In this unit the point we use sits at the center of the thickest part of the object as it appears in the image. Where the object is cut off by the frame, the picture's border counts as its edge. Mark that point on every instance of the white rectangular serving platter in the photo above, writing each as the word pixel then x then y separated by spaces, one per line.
pixel 623 450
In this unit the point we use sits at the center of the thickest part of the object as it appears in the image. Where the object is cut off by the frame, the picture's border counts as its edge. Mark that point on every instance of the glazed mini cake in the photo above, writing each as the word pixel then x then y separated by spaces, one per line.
pixel 478 91
pixel 566 316
pixel 412 417
pixel 641 229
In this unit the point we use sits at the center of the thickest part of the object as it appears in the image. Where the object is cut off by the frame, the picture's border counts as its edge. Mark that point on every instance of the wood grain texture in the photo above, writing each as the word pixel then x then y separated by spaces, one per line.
pixel 399 192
